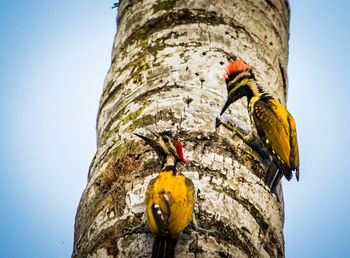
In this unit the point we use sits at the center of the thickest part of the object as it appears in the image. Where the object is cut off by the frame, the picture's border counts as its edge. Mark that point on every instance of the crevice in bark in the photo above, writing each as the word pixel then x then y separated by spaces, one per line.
pixel 109 95
pixel 179 17
pixel 228 234
pixel 284 78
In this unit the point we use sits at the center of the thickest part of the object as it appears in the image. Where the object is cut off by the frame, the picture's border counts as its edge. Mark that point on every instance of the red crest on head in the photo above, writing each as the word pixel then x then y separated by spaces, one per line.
pixel 180 151
pixel 235 66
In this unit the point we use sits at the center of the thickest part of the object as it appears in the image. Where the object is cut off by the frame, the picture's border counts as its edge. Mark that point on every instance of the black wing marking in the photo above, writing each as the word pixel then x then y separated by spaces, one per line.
pixel 160 218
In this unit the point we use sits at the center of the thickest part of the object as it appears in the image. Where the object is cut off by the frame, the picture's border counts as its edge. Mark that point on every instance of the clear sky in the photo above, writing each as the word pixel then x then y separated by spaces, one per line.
pixel 54 57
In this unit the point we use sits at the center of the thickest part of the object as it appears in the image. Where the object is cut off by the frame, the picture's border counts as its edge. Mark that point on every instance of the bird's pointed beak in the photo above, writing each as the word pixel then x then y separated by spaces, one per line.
pixel 154 144
pixel 153 132
pixel 148 140
pixel 230 99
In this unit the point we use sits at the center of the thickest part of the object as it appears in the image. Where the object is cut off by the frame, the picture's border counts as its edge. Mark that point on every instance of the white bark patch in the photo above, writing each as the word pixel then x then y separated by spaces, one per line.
pixel 135 199
pixel 100 253
pixel 137 245
pixel 91 193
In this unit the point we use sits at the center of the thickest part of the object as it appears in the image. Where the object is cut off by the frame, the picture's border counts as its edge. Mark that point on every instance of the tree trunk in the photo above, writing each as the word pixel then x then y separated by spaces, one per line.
pixel 167 71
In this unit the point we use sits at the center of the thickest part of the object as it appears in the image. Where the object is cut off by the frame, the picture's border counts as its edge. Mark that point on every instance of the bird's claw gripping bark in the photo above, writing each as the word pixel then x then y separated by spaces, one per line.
pixel 249 139
pixel 220 121
pixel 207 232
pixel 217 122
pixel 204 231
pixel 130 230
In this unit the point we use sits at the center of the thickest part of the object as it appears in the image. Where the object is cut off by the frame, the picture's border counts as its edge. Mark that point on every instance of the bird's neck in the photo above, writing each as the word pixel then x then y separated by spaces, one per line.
pixel 255 91
pixel 170 162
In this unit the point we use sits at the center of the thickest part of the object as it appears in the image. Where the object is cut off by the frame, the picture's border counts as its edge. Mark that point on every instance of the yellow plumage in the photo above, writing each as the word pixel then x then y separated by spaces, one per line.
pixel 276 125
pixel 174 194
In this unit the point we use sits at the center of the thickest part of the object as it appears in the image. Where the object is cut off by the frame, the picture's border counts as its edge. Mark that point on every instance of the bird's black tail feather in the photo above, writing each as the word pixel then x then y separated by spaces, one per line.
pixel 164 247
pixel 273 176
pixel 275 183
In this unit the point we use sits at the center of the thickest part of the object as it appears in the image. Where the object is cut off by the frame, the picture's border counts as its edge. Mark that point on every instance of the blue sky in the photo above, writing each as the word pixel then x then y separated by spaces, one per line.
pixel 54 57
pixel 317 208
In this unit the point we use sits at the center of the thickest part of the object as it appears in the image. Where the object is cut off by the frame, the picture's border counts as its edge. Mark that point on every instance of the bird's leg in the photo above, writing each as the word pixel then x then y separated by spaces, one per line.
pixel 137 229
pixel 246 138
pixel 250 139
pixel 207 232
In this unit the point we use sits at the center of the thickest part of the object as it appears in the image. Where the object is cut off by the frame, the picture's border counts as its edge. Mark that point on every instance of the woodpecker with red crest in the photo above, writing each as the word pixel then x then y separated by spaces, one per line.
pixel 275 125
pixel 169 197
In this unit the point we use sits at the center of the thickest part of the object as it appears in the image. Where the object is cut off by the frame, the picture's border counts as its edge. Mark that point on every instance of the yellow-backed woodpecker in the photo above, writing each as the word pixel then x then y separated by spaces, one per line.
pixel 275 125
pixel 169 197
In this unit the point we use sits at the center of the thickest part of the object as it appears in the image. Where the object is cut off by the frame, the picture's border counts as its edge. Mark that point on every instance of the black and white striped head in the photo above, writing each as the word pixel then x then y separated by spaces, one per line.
pixel 240 82
pixel 166 147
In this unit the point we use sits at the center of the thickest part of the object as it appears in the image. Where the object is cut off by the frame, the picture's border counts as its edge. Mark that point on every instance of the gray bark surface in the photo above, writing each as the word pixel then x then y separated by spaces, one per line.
pixel 167 68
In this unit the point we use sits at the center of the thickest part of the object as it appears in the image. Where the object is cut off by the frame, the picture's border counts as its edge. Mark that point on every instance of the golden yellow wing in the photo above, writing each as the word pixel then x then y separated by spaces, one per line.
pixel 277 128
pixel 181 205
pixel 289 122
pixel 294 156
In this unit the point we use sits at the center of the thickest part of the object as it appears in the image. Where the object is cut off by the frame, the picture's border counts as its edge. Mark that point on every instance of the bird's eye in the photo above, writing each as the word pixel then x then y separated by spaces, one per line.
pixel 166 139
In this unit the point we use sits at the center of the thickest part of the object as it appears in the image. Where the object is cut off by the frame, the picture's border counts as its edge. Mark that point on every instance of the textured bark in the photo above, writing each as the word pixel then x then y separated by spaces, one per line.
pixel 167 73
